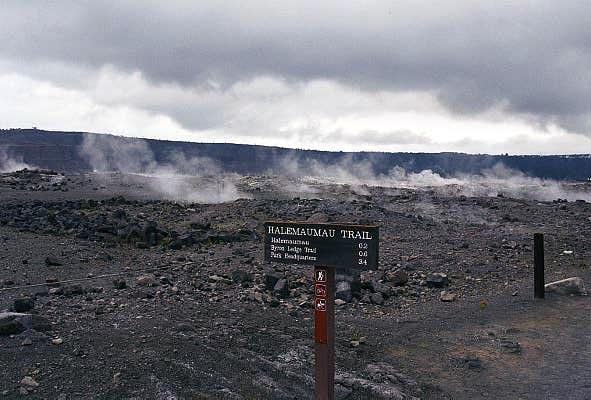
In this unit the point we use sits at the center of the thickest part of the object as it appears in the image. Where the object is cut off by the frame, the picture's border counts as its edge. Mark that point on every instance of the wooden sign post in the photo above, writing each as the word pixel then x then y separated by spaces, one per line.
pixel 328 247
pixel 539 281
pixel 324 288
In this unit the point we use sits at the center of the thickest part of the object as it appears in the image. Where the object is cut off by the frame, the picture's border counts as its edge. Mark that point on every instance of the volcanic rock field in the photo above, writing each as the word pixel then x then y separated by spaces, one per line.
pixel 110 289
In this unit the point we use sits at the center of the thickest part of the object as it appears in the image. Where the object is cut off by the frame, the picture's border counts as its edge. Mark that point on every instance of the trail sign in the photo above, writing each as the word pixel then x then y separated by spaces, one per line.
pixel 345 246
pixel 327 247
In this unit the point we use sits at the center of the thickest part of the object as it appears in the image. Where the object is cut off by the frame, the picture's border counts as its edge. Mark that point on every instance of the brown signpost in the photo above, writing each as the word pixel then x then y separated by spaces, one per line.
pixel 539 266
pixel 327 247
pixel 324 288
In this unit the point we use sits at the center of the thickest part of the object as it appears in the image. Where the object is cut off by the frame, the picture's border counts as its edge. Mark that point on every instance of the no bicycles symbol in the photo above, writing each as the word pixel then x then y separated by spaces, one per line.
pixel 320 290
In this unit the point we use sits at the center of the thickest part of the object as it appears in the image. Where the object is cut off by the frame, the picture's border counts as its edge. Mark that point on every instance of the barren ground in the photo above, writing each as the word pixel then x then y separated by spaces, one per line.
pixel 202 322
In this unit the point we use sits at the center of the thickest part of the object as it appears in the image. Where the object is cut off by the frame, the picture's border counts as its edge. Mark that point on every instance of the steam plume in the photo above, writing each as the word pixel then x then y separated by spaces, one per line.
pixel 498 180
pixel 179 178
pixel 11 164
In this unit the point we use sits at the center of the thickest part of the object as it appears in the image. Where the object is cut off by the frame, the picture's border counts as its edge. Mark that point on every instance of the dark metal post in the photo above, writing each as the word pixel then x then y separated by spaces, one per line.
pixel 324 331
pixel 538 265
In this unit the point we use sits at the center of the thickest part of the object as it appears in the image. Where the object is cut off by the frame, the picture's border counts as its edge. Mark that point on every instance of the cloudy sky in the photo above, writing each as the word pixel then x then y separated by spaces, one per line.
pixel 471 76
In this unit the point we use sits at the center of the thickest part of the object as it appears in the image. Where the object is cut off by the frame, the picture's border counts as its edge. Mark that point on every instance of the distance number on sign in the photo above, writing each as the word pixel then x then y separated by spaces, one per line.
pixel 362 253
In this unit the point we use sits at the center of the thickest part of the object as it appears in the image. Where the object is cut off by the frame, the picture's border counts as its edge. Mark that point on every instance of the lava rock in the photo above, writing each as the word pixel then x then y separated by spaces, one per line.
pixel 24 304
pixel 355 282
pixel 510 218
pixel 29 382
pixel 73 290
pixel 11 324
pixel 165 281
pixel 397 278
pixel 354 279
pixel 56 291
pixel 146 280
pixel 187 239
pixel 15 323
pixel 281 288
pixel 509 346
pixel 341 392
pixel 271 279
pixel 119 214
pixel 368 277
pixel 472 362
pixel 343 291
pixel 52 262
pixel 184 327
pixel 241 276
pixel 437 280
pixel 176 244
pixel 447 297
pixel 218 279
pixel 569 286
pixel 40 324
pixel 368 283
pixel 377 298
pixel 318 218
pixel 197 222
pixel 383 289
pixel 119 284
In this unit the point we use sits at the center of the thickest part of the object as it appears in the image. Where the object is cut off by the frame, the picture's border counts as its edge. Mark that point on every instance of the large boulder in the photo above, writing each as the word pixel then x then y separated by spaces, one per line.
pixel 11 324
pixel 14 323
pixel 574 286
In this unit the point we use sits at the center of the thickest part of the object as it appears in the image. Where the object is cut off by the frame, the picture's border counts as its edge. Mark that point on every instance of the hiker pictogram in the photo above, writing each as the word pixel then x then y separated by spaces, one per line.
pixel 321 275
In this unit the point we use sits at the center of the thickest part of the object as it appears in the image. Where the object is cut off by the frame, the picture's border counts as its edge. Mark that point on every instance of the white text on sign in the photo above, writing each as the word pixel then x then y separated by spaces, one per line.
pixel 319 232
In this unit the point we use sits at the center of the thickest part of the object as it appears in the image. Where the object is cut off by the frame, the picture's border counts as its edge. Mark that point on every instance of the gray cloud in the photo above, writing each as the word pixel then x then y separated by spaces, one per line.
pixel 531 57
pixel 404 137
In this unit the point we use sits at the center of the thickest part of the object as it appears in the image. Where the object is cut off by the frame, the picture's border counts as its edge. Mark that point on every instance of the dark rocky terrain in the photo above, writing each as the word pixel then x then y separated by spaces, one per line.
pixel 127 295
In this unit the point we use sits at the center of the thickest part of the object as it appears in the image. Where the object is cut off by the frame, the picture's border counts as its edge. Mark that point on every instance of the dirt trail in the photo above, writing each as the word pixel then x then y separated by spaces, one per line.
pixel 515 348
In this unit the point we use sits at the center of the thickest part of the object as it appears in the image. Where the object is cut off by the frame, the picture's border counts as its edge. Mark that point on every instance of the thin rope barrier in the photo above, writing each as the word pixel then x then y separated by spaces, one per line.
pixel 153 269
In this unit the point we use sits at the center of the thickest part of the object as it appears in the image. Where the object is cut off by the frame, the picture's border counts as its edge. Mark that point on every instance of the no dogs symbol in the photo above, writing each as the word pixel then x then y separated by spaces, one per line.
pixel 320 304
